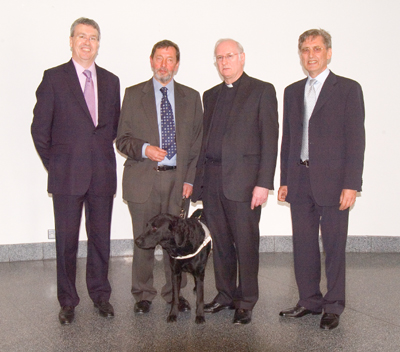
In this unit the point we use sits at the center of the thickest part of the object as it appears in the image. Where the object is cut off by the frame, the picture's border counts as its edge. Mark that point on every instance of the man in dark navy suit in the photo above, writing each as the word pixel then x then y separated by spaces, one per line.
pixel 74 125
pixel 322 161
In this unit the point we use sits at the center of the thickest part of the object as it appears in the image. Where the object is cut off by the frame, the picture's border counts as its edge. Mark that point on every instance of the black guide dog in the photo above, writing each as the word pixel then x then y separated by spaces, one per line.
pixel 180 238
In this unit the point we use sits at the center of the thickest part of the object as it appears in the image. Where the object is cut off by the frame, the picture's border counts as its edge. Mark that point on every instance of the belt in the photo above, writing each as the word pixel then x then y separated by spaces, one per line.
pixel 164 168
pixel 306 163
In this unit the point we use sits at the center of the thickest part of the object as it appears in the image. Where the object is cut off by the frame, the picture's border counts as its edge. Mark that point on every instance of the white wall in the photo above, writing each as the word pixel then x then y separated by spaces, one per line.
pixel 34 36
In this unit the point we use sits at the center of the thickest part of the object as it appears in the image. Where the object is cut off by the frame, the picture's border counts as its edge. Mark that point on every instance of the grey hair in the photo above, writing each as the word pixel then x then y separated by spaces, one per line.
pixel 326 37
pixel 86 21
pixel 239 46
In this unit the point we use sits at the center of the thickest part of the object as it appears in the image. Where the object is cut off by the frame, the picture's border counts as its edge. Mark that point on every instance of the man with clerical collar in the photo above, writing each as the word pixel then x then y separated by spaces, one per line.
pixel 322 160
pixel 234 174
pixel 160 133
pixel 74 126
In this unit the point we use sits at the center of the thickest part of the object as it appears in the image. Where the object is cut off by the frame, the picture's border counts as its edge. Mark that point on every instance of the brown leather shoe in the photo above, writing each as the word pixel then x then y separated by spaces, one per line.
pixel 297 312
pixel 329 321
pixel 242 316
pixel 142 307
pixel 66 315
pixel 105 309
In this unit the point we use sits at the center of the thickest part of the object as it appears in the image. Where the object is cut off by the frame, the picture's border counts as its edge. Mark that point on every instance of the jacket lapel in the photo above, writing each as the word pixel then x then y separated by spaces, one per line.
pixel 326 91
pixel 180 113
pixel 208 119
pixel 241 96
pixel 101 95
pixel 149 106
pixel 75 86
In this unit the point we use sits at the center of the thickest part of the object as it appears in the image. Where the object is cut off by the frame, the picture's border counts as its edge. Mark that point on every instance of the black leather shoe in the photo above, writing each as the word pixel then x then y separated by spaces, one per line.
pixel 215 307
pixel 297 312
pixel 142 307
pixel 183 305
pixel 105 309
pixel 66 315
pixel 242 316
pixel 329 321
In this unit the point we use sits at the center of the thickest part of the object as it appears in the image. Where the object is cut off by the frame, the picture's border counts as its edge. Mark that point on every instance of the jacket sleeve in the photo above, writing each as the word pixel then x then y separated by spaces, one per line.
pixel 268 121
pixel 197 136
pixel 354 138
pixel 126 143
pixel 43 119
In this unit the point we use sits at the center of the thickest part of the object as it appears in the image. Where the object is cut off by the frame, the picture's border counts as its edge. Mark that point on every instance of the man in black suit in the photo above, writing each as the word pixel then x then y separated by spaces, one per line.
pixel 322 160
pixel 234 173
pixel 74 125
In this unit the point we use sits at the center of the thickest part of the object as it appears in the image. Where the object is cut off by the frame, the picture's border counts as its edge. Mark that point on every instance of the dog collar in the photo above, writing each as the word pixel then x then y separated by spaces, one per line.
pixel 207 239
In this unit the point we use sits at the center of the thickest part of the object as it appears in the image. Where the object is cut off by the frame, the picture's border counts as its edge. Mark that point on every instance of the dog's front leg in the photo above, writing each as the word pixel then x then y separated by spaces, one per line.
pixel 200 298
pixel 176 285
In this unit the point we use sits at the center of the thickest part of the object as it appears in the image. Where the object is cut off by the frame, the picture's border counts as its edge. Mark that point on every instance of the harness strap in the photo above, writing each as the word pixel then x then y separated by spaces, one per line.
pixel 207 239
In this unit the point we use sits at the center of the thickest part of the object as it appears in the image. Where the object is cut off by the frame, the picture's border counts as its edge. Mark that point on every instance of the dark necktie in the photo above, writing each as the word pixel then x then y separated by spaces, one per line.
pixel 89 95
pixel 167 125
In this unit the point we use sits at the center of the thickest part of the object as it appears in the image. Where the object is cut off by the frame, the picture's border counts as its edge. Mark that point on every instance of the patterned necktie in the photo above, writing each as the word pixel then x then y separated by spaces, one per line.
pixel 167 125
pixel 89 95
pixel 309 103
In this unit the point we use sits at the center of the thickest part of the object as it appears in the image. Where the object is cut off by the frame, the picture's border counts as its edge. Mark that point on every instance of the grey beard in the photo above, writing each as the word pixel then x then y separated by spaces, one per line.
pixel 162 79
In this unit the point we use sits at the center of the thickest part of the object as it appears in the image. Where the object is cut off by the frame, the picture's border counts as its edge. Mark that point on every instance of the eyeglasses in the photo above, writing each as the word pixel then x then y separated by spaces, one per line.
pixel 315 49
pixel 227 57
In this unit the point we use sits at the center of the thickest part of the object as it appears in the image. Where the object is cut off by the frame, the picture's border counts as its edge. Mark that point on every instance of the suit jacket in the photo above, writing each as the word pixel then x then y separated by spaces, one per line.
pixel 138 125
pixel 249 144
pixel 336 139
pixel 75 152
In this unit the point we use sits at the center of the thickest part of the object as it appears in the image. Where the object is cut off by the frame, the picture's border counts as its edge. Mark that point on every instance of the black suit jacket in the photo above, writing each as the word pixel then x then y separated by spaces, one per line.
pixel 249 145
pixel 336 139
pixel 75 152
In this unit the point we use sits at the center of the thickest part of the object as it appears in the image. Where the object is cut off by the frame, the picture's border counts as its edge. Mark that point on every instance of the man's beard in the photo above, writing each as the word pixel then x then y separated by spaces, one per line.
pixel 163 79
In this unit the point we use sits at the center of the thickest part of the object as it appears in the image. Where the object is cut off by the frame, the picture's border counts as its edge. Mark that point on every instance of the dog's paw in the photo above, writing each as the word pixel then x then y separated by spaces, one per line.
pixel 200 320
pixel 171 318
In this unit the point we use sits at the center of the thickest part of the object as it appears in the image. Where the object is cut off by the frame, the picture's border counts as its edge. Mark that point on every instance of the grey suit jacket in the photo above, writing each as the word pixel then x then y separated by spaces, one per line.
pixel 138 125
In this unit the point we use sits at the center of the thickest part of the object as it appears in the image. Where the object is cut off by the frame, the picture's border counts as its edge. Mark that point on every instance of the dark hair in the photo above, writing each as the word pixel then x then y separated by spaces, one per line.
pixel 166 44
pixel 88 22
pixel 326 37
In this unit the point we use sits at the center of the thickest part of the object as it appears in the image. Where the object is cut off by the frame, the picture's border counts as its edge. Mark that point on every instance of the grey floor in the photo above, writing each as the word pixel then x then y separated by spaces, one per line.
pixel 371 321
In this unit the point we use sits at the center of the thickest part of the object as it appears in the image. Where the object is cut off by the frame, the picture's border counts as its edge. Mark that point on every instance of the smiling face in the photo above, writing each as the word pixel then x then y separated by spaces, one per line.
pixel 314 55
pixel 84 45
pixel 229 62
pixel 164 64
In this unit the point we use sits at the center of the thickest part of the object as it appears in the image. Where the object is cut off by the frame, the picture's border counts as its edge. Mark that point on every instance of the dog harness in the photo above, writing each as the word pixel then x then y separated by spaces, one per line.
pixel 207 239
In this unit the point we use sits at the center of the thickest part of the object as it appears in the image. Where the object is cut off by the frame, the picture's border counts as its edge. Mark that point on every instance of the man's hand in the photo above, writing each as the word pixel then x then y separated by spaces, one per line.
pixel 187 190
pixel 155 153
pixel 347 198
pixel 260 196
pixel 282 193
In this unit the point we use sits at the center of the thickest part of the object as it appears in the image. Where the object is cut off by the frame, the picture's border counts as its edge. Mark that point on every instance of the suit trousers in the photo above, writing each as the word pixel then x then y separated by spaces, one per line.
pixel 307 218
pixel 161 200
pixel 67 214
pixel 236 241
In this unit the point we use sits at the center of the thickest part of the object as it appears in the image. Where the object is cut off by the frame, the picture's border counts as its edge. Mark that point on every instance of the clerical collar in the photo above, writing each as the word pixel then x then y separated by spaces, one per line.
pixel 234 84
